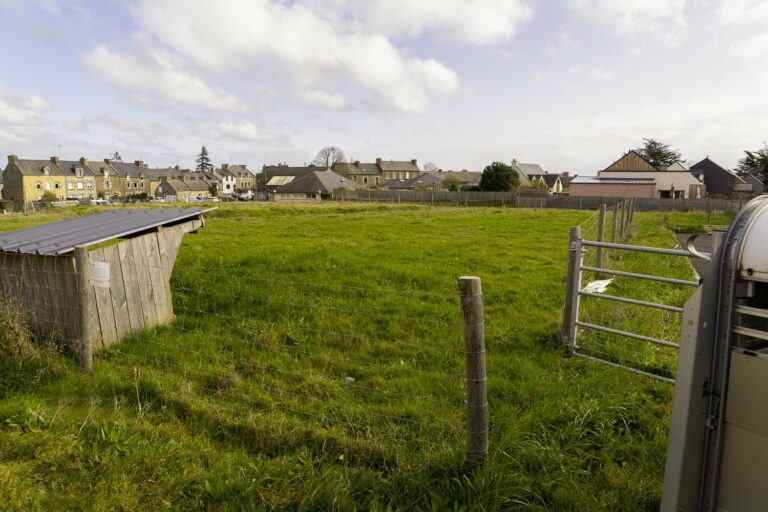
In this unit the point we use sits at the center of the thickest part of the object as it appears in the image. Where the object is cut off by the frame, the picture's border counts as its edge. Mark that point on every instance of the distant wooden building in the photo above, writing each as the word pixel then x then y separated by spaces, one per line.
pixel 633 176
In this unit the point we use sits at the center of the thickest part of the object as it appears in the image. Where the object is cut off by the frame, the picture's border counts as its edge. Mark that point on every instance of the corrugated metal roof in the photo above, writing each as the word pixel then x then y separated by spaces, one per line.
pixel 62 237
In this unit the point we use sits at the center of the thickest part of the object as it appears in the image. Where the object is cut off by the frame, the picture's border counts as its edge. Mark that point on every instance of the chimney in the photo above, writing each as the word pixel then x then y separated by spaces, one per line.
pixel 13 159
pixel 225 167
pixel 108 161
pixel 413 161
pixel 55 160
pixel 357 163
pixel 82 160
pixel 378 160
pixel 139 163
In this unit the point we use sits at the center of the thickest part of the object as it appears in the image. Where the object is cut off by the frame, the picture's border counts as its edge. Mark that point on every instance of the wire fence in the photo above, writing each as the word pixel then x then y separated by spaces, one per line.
pixel 351 364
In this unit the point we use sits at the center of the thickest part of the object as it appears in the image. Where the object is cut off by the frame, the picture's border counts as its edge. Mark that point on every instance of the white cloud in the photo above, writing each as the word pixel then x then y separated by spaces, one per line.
pixel 323 99
pixel 751 48
pixel 478 22
pixel 601 73
pixel 21 110
pixel 308 48
pixel 243 130
pixel 157 74
pixel 744 12
pixel 663 18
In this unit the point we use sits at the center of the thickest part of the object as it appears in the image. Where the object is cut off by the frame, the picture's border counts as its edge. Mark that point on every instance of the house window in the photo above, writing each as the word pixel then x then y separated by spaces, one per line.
pixel 79 185
pixel 106 183
pixel 39 186
pixel 79 173
pixel 376 179
pixel 365 180
pixel 135 184
pixel 70 186
pixel 47 186
pixel 56 186
pixel 142 183
pixel 46 171
pixel 354 178
pixel 90 186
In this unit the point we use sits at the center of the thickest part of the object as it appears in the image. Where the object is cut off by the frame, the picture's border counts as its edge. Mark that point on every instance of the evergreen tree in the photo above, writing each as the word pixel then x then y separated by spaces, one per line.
pixel 755 163
pixel 203 161
pixel 116 157
pixel 658 154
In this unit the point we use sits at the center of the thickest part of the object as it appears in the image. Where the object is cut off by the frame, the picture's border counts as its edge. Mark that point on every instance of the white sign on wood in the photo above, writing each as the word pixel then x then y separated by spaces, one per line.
pixel 98 273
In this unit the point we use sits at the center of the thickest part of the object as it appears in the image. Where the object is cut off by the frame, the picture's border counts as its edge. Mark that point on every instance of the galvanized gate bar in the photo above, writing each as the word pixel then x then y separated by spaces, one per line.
pixel 674 309
pixel 640 276
pixel 746 310
pixel 639 248
pixel 627 334
pixel 752 333
pixel 628 368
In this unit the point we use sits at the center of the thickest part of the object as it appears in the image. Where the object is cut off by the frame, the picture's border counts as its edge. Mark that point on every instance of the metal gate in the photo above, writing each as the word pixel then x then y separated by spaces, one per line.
pixel 574 322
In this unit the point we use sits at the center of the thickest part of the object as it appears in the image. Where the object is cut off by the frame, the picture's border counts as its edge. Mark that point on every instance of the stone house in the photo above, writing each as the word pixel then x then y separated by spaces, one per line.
pixel 184 189
pixel 26 181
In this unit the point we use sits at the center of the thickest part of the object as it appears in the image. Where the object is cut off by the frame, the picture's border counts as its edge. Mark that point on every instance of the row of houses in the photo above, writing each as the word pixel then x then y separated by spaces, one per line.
pixel 634 176
pixel 25 181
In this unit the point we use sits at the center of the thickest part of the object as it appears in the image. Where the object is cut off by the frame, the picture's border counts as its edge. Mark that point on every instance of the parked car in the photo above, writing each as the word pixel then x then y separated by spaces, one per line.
pixel 101 201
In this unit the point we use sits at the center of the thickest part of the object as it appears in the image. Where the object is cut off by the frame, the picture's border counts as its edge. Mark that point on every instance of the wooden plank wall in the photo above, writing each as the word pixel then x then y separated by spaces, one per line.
pixel 139 296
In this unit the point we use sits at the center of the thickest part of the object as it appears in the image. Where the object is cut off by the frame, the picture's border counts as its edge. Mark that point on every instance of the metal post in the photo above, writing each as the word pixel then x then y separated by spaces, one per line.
pixel 615 219
pixel 475 381
pixel 86 350
pixel 572 282
pixel 621 222
pixel 600 237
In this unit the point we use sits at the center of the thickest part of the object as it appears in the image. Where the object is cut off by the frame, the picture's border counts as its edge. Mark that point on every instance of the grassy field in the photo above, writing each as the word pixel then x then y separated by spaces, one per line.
pixel 315 364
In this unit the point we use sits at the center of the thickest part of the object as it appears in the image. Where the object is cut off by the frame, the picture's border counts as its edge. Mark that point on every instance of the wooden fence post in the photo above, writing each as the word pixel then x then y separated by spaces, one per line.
pixel 615 220
pixel 476 383
pixel 565 333
pixel 83 283
pixel 600 237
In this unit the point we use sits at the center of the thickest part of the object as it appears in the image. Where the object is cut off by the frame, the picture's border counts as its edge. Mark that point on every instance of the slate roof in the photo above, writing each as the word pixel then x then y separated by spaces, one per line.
pixel 98 167
pixel 349 168
pixel 284 170
pixel 239 170
pixel 187 185
pixel 718 180
pixel 463 177
pixel 164 172
pixel 124 169
pixel 68 167
pixel 529 169
pixel 397 165
pixel 35 167
pixel 758 187
pixel 549 179
pixel 62 237
pixel 324 182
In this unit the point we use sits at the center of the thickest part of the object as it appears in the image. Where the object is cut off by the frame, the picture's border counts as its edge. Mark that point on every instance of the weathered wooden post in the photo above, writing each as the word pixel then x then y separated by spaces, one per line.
pixel 615 220
pixel 475 380
pixel 571 286
pixel 600 237
pixel 83 283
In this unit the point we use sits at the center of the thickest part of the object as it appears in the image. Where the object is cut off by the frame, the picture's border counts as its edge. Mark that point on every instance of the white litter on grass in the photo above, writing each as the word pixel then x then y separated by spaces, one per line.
pixel 349 380
pixel 598 286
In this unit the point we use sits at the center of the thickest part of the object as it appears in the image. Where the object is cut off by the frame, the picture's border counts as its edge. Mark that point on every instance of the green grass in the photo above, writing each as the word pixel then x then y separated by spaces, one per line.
pixel 315 364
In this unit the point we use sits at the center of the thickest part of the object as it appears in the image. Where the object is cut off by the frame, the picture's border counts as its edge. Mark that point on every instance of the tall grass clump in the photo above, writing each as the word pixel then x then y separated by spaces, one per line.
pixel 24 358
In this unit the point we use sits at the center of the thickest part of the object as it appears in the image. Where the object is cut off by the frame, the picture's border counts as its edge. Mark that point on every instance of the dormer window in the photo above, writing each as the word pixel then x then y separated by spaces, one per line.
pixel 46 171
pixel 79 172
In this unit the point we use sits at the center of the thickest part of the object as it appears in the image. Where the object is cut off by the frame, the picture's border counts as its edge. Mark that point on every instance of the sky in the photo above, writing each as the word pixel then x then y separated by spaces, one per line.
pixel 568 84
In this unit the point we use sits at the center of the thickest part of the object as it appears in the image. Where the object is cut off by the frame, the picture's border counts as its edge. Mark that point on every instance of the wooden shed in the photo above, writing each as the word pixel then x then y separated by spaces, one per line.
pixel 124 284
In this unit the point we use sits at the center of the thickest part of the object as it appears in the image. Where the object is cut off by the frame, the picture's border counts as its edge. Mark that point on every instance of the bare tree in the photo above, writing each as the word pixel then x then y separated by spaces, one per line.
pixel 430 167
pixel 328 156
